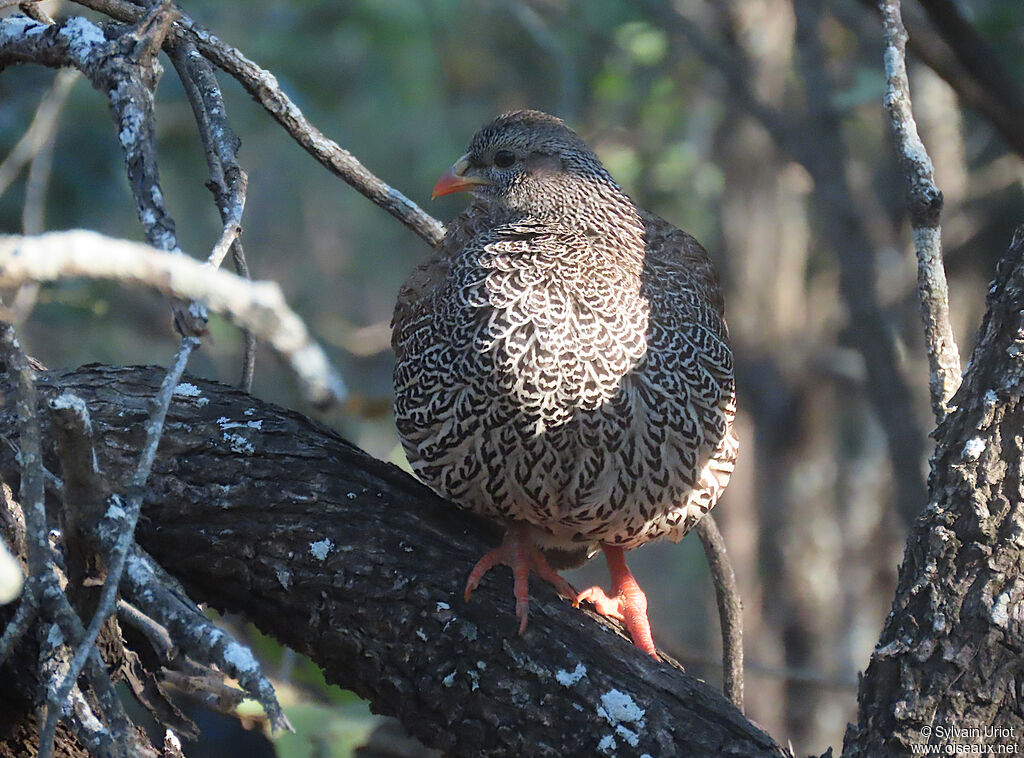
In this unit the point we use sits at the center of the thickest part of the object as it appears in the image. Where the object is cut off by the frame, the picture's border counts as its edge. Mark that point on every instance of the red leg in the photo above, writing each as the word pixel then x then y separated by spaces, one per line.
pixel 519 552
pixel 628 604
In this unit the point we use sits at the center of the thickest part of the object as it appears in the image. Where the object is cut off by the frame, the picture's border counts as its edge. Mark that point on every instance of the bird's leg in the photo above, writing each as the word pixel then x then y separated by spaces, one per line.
pixel 628 604
pixel 519 551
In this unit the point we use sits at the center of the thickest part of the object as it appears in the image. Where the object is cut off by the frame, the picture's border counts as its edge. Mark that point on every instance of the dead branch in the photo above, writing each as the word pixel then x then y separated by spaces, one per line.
pixel 228 181
pixel 925 202
pixel 261 511
pixel 116 557
pixel 258 306
pixel 263 86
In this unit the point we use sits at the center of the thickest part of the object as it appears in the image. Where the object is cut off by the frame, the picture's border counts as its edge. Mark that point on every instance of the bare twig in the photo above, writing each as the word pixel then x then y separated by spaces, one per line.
pixel 121 738
pixel 263 86
pixel 43 588
pixel 31 493
pixel 925 202
pixel 209 687
pixel 125 69
pixel 259 306
pixel 157 635
pixel 27 611
pixel 730 608
pixel 123 521
pixel 146 587
pixel 228 181
pixel 995 98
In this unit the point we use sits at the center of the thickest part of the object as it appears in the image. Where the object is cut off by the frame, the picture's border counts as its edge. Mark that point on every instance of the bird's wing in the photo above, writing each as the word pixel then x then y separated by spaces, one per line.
pixel 672 249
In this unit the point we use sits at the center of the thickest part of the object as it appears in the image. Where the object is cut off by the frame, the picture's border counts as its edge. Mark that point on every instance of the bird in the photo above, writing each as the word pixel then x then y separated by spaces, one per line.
pixel 562 366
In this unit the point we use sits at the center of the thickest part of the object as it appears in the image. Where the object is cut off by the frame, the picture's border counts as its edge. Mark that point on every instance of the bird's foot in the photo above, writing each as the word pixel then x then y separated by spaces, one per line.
pixel 519 551
pixel 628 604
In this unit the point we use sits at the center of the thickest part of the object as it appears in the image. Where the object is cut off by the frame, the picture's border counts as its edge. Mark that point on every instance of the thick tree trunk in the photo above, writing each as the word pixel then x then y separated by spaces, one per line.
pixel 948 669
pixel 261 511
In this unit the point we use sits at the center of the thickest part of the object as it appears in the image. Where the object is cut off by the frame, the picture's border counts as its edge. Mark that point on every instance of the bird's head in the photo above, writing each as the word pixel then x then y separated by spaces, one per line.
pixel 524 161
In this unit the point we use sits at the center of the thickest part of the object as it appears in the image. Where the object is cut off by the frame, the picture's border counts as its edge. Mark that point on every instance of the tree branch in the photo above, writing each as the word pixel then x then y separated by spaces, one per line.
pixel 730 608
pixel 258 306
pixel 261 511
pixel 925 202
pixel 950 652
pixel 263 86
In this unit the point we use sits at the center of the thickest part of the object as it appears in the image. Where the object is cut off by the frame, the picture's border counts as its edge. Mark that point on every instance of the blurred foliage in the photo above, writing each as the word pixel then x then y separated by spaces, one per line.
pixel 403 84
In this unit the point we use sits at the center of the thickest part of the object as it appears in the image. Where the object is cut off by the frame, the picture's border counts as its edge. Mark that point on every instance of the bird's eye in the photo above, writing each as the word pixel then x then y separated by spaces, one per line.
pixel 504 158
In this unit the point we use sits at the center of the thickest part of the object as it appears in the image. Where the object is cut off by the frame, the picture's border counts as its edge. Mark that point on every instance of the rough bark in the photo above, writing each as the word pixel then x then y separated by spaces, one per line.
pixel 949 657
pixel 260 511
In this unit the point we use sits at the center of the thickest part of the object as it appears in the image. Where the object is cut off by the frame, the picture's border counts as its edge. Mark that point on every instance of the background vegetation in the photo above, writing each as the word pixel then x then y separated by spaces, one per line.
pixel 815 518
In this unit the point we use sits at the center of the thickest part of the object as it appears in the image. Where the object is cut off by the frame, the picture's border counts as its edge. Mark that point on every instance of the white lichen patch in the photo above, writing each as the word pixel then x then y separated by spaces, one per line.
pixel 225 423
pixel 82 35
pixel 449 680
pixel 171 740
pixel 321 548
pixel 239 444
pixel 974 448
pixel 633 738
pixel 240 657
pixel 1000 614
pixel 619 708
pixel 442 606
pixel 54 638
pixel 132 128
pixel 187 390
pixel 69 402
pixel 607 744
pixel 284 576
pixel 569 678
pixel 114 510
pixel 13 27
pixel 89 720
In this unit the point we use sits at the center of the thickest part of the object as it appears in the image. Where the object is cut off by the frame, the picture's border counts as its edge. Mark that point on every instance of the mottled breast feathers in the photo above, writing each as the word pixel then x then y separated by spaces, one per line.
pixel 579 382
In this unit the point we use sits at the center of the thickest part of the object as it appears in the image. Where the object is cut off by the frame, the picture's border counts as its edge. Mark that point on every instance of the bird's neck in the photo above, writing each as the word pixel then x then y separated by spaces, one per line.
pixel 605 213
pixel 591 204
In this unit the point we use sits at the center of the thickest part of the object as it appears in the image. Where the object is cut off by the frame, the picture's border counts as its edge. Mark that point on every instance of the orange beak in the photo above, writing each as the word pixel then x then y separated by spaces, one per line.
pixel 455 180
